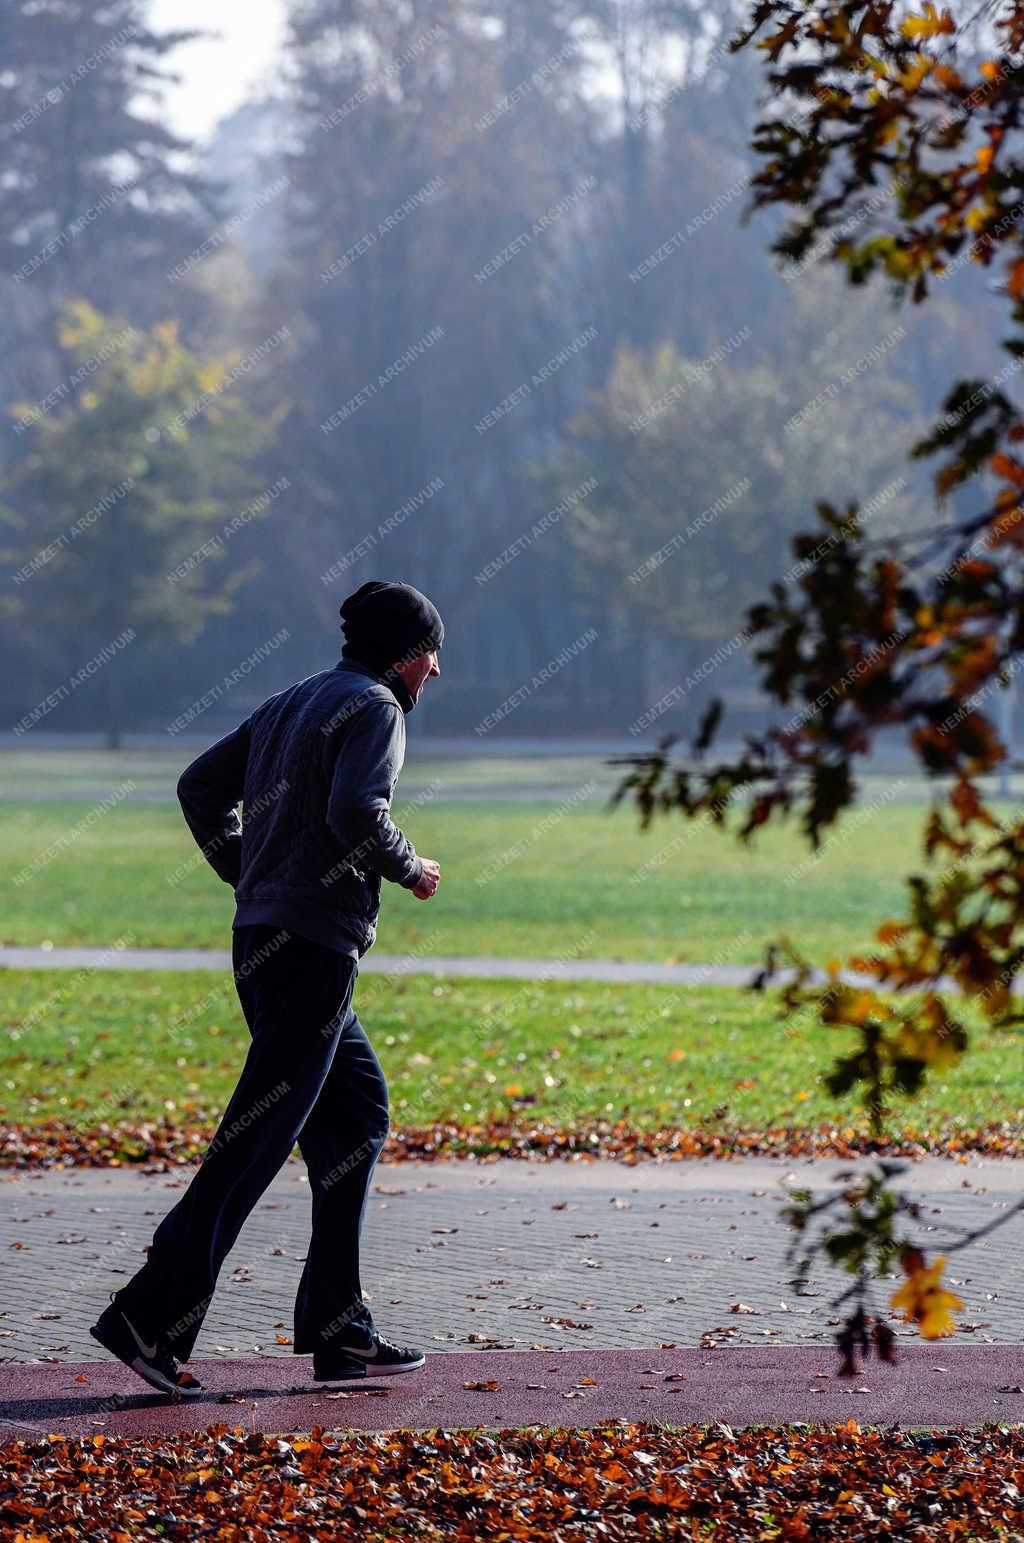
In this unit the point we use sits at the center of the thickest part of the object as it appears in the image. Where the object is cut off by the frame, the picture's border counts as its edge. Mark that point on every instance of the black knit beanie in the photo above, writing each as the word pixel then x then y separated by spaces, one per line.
pixel 387 622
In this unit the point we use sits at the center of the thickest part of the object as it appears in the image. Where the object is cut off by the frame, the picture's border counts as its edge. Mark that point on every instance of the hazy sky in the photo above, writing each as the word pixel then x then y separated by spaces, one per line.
pixel 219 72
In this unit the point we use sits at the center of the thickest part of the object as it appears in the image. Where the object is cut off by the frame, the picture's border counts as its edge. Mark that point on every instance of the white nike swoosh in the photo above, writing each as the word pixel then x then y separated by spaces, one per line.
pixel 366 1355
pixel 147 1350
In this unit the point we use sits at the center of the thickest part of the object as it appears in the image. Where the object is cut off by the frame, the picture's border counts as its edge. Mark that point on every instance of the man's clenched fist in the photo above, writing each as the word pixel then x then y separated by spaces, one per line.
pixel 429 880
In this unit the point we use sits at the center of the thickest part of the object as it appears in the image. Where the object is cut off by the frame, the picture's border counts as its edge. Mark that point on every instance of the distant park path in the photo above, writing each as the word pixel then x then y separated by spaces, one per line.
pixel 486 968
pixel 615 971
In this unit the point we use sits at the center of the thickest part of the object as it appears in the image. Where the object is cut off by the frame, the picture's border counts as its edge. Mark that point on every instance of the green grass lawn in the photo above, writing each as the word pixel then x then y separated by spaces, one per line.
pixel 130 1045
pixel 518 877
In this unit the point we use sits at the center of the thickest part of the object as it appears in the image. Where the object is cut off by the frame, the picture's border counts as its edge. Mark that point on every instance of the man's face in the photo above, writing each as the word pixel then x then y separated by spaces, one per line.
pixel 415 672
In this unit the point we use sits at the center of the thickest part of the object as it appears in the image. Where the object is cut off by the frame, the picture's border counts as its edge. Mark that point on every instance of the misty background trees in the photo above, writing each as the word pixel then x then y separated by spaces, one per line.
pixel 468 300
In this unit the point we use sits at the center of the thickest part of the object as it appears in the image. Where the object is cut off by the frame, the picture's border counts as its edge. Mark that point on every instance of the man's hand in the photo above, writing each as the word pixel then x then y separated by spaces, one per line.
pixel 429 880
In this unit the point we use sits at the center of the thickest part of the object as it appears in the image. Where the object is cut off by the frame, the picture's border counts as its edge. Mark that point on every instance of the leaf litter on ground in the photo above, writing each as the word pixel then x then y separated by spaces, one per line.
pixel 619 1481
pixel 55 1143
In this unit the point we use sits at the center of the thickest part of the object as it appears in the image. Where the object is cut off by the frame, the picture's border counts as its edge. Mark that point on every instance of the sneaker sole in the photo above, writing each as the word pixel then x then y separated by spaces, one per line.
pixel 359 1373
pixel 141 1368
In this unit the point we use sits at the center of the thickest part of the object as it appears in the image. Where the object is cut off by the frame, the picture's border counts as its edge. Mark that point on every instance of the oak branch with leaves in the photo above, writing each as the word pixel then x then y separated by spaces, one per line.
pixel 893 138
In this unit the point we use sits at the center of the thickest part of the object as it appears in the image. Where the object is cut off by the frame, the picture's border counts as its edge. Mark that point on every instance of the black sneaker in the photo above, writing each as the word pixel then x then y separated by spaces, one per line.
pixel 380 1359
pixel 151 1360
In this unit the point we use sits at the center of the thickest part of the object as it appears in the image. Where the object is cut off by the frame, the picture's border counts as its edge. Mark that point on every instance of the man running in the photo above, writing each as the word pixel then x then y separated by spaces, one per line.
pixel 315 769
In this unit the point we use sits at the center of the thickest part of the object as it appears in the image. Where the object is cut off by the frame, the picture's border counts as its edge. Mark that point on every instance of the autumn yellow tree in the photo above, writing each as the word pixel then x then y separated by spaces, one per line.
pixel 122 482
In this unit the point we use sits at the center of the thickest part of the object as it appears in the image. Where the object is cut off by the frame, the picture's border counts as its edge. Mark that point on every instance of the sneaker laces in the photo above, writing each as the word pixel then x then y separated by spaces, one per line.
pixel 388 1344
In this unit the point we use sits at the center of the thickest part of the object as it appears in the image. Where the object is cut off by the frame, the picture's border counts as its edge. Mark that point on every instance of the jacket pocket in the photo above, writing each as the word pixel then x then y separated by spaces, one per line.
pixel 369 887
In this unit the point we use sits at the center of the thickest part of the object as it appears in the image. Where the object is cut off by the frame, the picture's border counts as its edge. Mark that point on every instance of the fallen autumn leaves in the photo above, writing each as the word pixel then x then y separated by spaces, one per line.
pixel 54 1143
pixel 616 1482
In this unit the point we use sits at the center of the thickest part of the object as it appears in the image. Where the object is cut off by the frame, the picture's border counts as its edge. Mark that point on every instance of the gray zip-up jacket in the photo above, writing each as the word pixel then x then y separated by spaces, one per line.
pixel 315 769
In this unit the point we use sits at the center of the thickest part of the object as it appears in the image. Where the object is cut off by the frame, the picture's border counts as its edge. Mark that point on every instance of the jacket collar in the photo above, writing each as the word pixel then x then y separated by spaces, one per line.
pixel 390 678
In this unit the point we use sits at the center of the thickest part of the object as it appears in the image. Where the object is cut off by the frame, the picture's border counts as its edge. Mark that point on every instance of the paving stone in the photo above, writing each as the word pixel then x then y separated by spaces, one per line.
pixel 509 1254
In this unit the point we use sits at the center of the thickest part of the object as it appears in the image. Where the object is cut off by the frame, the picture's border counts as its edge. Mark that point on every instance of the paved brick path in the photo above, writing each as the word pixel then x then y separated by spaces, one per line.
pixel 461 1254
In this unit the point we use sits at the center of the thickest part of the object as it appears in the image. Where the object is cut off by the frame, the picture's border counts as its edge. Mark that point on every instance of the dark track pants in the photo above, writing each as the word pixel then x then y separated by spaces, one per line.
pixel 310 1076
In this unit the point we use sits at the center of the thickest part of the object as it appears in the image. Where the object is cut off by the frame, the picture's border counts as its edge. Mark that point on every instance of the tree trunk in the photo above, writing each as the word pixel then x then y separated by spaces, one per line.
pixel 113 713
